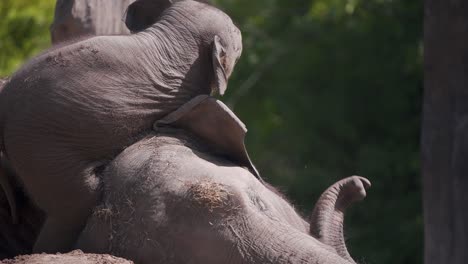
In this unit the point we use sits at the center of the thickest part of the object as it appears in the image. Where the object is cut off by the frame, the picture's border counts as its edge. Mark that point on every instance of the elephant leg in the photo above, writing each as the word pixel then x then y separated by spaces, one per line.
pixel 327 218
pixel 59 177
pixel 58 234
pixel 67 201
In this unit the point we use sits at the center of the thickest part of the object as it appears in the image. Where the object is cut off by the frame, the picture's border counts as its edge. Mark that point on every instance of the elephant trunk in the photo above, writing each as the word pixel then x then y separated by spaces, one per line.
pixel 328 215
pixel 273 242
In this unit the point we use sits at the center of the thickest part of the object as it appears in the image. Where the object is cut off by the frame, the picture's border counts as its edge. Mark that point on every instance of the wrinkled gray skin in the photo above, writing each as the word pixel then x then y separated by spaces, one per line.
pixel 175 197
pixel 169 200
pixel 69 111
pixel 5 171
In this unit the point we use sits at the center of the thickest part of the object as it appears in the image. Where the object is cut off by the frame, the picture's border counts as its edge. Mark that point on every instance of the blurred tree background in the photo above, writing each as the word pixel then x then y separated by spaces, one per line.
pixel 24 31
pixel 328 89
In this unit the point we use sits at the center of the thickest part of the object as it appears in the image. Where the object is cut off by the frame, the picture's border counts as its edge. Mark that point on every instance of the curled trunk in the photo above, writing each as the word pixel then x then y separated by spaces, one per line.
pixel 328 215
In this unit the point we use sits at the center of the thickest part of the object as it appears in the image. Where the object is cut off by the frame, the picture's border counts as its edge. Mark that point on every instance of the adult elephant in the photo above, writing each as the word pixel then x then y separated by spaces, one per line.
pixel 175 197
pixel 69 111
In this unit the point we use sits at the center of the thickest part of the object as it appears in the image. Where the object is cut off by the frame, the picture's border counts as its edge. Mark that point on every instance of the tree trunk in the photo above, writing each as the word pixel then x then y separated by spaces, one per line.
pixel 78 18
pixel 73 19
pixel 444 146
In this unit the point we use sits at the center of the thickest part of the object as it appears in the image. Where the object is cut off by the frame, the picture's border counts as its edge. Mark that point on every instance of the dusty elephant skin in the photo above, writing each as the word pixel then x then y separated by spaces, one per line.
pixel 69 111
pixel 74 257
pixel 167 199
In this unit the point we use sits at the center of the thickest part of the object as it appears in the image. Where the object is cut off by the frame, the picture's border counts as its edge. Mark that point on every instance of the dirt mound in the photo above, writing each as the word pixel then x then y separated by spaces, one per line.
pixel 74 257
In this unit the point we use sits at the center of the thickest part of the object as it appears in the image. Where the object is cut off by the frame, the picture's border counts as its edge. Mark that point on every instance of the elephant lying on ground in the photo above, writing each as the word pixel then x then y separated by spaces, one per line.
pixel 71 110
pixel 172 198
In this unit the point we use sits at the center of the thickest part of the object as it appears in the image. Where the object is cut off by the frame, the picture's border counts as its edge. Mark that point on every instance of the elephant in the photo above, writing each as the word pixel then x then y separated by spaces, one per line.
pixel 175 197
pixel 69 111
pixel 6 172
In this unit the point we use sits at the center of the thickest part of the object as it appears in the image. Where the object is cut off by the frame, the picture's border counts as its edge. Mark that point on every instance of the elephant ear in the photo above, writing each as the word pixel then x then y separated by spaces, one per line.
pixel 219 67
pixel 216 124
pixel 143 13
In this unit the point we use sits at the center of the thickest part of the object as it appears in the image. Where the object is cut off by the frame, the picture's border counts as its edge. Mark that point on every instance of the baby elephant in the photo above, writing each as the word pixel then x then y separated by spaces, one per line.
pixel 169 198
pixel 70 110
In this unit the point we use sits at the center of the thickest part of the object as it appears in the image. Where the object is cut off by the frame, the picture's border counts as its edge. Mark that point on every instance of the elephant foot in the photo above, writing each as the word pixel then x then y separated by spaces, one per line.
pixel 61 229
pixel 328 215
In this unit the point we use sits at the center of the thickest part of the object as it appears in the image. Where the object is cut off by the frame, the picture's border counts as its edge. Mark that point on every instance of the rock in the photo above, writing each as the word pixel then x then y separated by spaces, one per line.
pixel 74 257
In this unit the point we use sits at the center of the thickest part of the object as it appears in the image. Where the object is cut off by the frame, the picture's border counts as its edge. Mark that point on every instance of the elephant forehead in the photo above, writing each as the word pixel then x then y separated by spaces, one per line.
pixel 175 164
pixel 169 161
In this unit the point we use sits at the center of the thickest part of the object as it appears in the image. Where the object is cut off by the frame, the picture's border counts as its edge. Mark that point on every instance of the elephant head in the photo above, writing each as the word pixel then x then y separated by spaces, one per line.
pixel 168 199
pixel 211 27
pixel 181 196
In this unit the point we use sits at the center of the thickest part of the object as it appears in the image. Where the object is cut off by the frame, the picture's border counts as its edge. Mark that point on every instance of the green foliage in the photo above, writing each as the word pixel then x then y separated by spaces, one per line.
pixel 24 31
pixel 327 88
